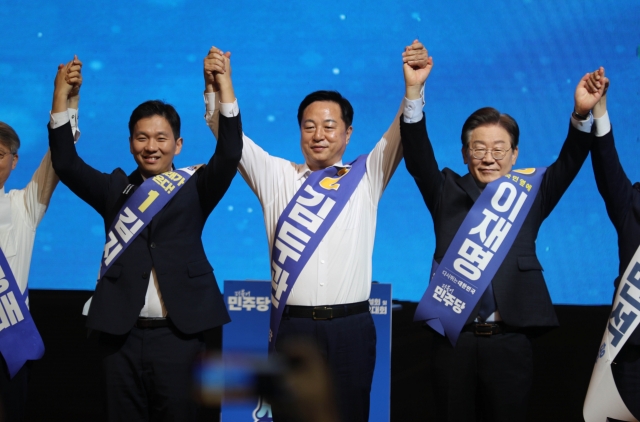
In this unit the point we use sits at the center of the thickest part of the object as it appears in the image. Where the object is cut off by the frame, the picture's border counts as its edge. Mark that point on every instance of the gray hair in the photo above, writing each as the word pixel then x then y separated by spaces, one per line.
pixel 9 138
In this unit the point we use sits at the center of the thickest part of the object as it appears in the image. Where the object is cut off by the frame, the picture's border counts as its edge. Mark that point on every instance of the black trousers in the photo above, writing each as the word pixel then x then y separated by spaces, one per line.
pixel 484 379
pixel 148 374
pixel 14 392
pixel 349 346
pixel 626 374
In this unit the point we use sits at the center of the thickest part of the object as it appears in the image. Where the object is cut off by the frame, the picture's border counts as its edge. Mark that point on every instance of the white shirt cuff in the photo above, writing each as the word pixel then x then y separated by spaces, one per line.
pixel 602 124
pixel 229 109
pixel 58 119
pixel 582 125
pixel 412 109
pixel 210 101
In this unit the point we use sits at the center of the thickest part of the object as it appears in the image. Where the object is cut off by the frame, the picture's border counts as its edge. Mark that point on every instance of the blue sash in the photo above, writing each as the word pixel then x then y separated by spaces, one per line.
pixel 138 211
pixel 603 399
pixel 302 225
pixel 477 251
pixel 19 337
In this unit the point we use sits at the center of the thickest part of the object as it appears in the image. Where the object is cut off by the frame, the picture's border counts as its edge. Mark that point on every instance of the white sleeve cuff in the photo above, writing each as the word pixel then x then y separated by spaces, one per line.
pixel 229 109
pixel 210 100
pixel 412 111
pixel 58 119
pixel 602 124
pixel 582 125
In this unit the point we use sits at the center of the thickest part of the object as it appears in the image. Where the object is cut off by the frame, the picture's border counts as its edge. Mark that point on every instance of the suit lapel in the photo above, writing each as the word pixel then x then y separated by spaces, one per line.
pixel 468 184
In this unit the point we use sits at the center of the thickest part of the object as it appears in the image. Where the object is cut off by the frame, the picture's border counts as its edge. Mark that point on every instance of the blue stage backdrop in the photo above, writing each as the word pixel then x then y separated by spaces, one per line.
pixel 522 57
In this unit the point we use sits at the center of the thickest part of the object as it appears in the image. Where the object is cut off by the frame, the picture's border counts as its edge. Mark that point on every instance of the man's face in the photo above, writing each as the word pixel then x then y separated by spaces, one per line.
pixel 8 162
pixel 488 169
pixel 153 145
pixel 323 134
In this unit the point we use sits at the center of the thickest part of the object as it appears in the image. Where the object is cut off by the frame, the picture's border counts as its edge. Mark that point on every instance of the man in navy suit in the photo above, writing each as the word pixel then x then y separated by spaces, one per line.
pixel 489 371
pixel 622 199
pixel 156 299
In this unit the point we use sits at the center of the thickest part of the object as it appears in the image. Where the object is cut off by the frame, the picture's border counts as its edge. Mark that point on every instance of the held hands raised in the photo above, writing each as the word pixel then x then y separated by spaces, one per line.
pixel 66 85
pixel 217 67
pixel 417 65
pixel 590 90
pixel 596 81
pixel 217 74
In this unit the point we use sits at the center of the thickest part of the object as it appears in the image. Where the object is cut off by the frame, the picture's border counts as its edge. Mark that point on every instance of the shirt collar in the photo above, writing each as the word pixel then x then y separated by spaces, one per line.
pixel 304 170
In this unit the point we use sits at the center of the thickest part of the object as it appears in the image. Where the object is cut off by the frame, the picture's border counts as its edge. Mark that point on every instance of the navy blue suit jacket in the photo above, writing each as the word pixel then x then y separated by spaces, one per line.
pixel 171 243
pixel 519 288
pixel 622 200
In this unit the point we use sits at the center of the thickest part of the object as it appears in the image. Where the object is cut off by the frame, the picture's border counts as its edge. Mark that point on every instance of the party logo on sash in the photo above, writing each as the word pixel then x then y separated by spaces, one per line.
pixel 477 251
pixel 303 224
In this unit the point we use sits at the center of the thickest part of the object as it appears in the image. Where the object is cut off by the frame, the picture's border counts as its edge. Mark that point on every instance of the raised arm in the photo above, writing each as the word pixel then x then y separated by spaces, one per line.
pixel 86 182
pixel 386 155
pixel 418 152
pixel 613 184
pixel 576 147
pixel 260 170
pixel 39 190
pixel 213 64
pixel 222 167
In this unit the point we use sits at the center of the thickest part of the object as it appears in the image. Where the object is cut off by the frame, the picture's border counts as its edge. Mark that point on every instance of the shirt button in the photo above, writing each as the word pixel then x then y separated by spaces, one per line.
pixel 322 284
pixel 322 261
pixel 153 245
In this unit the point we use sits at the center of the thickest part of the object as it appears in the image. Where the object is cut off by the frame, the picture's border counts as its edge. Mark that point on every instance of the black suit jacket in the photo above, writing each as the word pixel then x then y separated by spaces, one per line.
pixel 622 200
pixel 519 287
pixel 171 243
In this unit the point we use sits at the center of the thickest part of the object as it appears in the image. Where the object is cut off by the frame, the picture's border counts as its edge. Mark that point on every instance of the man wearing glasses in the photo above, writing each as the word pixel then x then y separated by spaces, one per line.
pixel 487 293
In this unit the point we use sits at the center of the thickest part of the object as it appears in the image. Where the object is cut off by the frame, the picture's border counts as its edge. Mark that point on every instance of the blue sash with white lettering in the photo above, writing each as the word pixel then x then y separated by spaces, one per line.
pixel 20 340
pixel 603 401
pixel 302 225
pixel 477 251
pixel 138 211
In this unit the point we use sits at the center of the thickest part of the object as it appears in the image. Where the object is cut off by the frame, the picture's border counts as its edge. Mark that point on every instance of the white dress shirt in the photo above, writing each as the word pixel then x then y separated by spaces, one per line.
pixel 21 210
pixel 339 270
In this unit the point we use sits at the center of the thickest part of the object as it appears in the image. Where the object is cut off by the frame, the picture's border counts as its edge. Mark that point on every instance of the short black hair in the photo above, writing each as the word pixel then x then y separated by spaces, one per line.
pixel 487 116
pixel 9 138
pixel 334 97
pixel 156 108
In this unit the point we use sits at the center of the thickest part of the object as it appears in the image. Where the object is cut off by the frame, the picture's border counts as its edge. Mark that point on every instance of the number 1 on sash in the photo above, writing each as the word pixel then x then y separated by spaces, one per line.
pixel 152 197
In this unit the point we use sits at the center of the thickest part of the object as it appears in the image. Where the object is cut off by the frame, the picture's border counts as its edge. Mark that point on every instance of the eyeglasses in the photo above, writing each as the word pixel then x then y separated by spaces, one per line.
pixel 497 154
pixel 2 154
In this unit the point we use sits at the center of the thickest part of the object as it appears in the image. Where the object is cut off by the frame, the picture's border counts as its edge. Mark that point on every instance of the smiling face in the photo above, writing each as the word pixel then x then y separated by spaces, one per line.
pixel 488 169
pixel 153 145
pixel 323 134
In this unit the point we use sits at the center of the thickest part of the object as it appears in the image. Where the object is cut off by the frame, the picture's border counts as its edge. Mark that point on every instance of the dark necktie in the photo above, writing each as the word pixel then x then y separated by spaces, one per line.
pixel 487 303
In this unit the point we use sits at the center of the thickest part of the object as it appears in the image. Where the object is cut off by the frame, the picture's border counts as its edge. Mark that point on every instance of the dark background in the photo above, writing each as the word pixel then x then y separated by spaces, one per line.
pixel 65 383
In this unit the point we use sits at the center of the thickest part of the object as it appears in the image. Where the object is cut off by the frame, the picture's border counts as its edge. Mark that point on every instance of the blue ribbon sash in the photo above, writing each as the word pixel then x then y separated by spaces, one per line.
pixel 477 251
pixel 302 225
pixel 20 340
pixel 603 399
pixel 138 211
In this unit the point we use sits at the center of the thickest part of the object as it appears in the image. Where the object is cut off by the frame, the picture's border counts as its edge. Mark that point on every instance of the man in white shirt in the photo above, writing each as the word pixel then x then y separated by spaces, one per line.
pixel 329 301
pixel 21 210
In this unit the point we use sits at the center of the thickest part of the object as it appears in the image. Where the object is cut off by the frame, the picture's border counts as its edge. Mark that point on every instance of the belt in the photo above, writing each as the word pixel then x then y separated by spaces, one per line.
pixel 488 328
pixel 326 312
pixel 142 322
